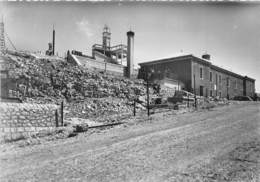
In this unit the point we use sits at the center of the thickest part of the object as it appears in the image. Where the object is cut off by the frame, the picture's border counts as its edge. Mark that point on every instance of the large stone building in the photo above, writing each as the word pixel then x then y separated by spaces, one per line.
pixel 199 73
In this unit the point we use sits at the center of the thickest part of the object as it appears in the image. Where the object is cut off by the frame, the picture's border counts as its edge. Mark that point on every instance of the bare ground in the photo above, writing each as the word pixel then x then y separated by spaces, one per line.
pixel 218 145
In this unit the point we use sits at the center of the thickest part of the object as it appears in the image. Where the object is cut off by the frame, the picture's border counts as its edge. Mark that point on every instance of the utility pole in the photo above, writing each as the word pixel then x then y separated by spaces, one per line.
pixel 227 88
pixel 134 106
pixel 53 40
pixel 147 90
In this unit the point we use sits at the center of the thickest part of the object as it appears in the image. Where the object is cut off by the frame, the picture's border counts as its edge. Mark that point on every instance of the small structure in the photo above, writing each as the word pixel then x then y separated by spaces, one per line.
pixel 51 49
pixel 49 52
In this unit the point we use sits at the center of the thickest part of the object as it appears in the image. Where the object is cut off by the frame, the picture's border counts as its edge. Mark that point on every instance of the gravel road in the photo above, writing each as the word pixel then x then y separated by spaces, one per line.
pixel 156 149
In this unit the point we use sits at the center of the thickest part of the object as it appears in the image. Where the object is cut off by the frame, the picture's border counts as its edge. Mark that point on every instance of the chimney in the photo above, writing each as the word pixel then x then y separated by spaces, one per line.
pixel 130 53
pixel 206 56
pixel 53 41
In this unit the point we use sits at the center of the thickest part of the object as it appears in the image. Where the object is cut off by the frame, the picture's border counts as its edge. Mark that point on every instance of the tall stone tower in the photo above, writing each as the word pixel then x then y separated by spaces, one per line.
pixel 2 37
pixel 130 54
pixel 106 37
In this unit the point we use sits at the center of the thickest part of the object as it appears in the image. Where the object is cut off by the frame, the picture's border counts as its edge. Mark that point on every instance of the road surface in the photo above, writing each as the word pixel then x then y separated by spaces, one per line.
pixel 157 149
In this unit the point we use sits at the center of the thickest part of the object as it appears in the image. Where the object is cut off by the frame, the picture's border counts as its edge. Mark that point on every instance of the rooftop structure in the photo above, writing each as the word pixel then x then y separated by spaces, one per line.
pixel 111 54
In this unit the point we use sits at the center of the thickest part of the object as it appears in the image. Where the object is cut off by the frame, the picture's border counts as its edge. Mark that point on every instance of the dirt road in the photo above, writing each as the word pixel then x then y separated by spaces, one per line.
pixel 166 147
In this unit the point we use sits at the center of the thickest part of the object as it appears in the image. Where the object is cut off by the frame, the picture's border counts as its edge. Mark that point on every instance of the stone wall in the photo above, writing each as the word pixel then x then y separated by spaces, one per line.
pixel 21 120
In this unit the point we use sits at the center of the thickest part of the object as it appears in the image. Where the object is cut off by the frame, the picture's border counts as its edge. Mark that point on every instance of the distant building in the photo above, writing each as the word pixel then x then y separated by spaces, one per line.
pixel 107 53
pixel 199 75
pixel 107 58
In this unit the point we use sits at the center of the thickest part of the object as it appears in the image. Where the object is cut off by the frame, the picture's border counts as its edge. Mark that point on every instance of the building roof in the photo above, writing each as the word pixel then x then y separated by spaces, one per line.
pixel 198 59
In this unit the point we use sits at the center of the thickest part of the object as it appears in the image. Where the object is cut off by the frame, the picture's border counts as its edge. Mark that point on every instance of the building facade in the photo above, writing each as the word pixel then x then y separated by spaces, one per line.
pixel 200 76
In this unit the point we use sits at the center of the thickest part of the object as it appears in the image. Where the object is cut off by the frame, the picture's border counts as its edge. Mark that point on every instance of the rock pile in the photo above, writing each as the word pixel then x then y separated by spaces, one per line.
pixel 87 93
pixel 58 79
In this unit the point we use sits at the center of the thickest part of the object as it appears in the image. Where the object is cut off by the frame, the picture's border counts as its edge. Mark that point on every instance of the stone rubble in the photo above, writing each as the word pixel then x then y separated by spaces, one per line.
pixel 86 93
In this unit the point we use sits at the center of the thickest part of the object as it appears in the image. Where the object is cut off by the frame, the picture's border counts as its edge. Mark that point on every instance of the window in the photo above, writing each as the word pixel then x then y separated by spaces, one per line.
pixel 235 84
pixel 219 94
pixel 210 76
pixel 216 78
pixel 201 73
pixel 227 82
pixel 210 93
pixel 219 79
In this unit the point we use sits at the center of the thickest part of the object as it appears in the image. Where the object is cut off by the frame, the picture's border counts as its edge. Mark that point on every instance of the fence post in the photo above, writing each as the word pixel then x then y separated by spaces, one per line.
pixel 56 118
pixel 195 99
pixel 61 113
pixel 134 107
pixel 188 100
pixel 148 106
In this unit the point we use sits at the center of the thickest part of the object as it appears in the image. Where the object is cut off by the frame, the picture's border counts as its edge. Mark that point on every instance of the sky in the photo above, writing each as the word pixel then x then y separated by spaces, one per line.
pixel 229 32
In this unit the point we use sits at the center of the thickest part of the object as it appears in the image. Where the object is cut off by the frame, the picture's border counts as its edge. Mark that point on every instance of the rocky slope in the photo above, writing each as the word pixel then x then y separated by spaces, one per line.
pixel 86 93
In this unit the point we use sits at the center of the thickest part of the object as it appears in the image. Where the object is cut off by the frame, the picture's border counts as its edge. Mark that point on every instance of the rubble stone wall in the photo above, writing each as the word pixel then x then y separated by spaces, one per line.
pixel 21 120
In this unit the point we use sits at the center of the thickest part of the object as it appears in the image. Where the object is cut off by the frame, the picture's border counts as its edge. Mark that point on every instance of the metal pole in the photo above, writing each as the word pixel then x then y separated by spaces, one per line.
pixel 61 113
pixel 188 100
pixel 148 106
pixel 227 89
pixel 56 118
pixel 195 91
pixel 134 107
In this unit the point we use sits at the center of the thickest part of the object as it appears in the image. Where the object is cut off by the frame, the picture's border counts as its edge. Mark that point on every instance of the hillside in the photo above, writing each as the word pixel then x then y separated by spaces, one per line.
pixel 45 80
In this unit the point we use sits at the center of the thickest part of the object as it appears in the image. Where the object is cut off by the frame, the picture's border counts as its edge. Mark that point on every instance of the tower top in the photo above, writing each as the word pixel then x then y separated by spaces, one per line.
pixel 106 29
pixel 130 33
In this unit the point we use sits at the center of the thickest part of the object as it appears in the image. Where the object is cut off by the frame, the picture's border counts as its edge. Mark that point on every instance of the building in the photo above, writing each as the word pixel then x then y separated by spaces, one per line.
pixel 108 58
pixel 107 53
pixel 199 73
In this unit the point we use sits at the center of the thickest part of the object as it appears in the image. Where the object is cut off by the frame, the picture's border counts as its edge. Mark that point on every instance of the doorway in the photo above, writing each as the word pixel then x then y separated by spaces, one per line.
pixel 201 90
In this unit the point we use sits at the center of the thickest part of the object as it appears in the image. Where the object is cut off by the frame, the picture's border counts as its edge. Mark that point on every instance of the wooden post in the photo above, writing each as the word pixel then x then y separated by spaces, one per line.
pixel 56 118
pixel 195 91
pixel 148 106
pixel 188 100
pixel 134 107
pixel 61 113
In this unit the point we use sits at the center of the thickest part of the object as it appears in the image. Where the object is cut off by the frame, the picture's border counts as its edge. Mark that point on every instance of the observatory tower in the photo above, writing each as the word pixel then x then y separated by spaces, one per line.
pixel 106 37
